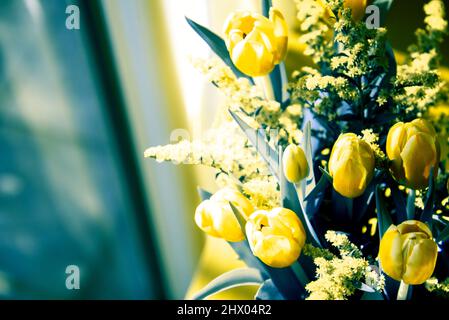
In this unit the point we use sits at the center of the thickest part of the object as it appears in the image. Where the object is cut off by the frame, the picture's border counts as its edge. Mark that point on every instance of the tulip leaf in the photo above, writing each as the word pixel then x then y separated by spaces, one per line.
pixel 392 64
pixel 268 291
pixel 411 204
pixel 231 279
pixel 217 45
pixel 426 215
pixel 319 188
pixel 443 235
pixel 283 278
pixel 309 182
pixel 364 287
pixel 317 195
pixel 383 216
pixel 204 195
pixel 240 217
pixel 400 203
pixel 376 295
pixel 326 175
pixel 245 254
pixel 266 5
pixel 259 142
pixel 362 203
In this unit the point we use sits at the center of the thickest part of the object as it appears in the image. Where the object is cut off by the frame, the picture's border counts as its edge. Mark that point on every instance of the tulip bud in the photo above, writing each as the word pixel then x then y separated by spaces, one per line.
pixel 295 164
pixel 351 165
pixel 216 217
pixel 357 7
pixel 408 252
pixel 256 43
pixel 413 149
pixel 276 237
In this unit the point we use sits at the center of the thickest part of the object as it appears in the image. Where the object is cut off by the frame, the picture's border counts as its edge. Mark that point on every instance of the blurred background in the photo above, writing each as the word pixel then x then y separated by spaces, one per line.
pixel 77 110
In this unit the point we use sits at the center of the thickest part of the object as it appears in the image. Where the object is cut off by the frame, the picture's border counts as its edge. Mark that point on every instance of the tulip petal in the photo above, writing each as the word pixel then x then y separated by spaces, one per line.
pixel 252 58
pixel 414 226
pixel 395 141
pixel 275 237
pixel 280 32
pixel 203 218
pixel 418 156
pixel 390 253
pixel 421 262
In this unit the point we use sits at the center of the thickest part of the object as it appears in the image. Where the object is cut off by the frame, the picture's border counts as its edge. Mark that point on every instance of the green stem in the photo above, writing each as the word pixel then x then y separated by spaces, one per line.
pixel 402 291
pixel 264 83
pixel 300 273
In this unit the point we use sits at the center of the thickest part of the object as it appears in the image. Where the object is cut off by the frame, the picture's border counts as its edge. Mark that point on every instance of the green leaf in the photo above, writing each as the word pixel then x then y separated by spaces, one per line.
pixel 245 254
pixel 376 295
pixel 268 291
pixel 231 279
pixel 204 195
pixel 399 201
pixel 319 188
pixel 309 183
pixel 364 287
pixel 426 215
pixel 240 217
pixel 217 45
pixel 384 7
pixel 258 140
pixel 327 175
pixel 266 5
pixel 411 205
pixel 443 235
pixel 392 64
pixel 283 278
pixel 383 216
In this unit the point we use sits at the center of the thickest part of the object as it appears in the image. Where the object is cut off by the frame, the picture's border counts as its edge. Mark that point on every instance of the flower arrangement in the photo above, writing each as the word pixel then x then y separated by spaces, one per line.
pixel 333 185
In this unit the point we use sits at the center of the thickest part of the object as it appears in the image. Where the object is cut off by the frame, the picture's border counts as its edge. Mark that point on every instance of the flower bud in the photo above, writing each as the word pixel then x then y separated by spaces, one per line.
pixel 408 252
pixel 413 149
pixel 256 43
pixel 276 237
pixel 351 165
pixel 294 164
pixel 357 7
pixel 216 217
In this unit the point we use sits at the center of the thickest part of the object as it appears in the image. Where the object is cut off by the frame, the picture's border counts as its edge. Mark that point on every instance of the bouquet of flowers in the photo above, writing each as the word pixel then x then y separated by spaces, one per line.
pixel 334 185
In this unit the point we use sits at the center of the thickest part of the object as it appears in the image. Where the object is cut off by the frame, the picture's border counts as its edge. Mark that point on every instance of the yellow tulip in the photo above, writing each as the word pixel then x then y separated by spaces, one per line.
pixel 408 252
pixel 295 164
pixel 351 165
pixel 357 7
pixel 256 43
pixel 276 237
pixel 216 217
pixel 413 149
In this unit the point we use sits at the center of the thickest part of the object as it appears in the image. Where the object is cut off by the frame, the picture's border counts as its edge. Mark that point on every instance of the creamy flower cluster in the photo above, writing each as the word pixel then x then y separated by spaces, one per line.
pixel 440 288
pixel 338 277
